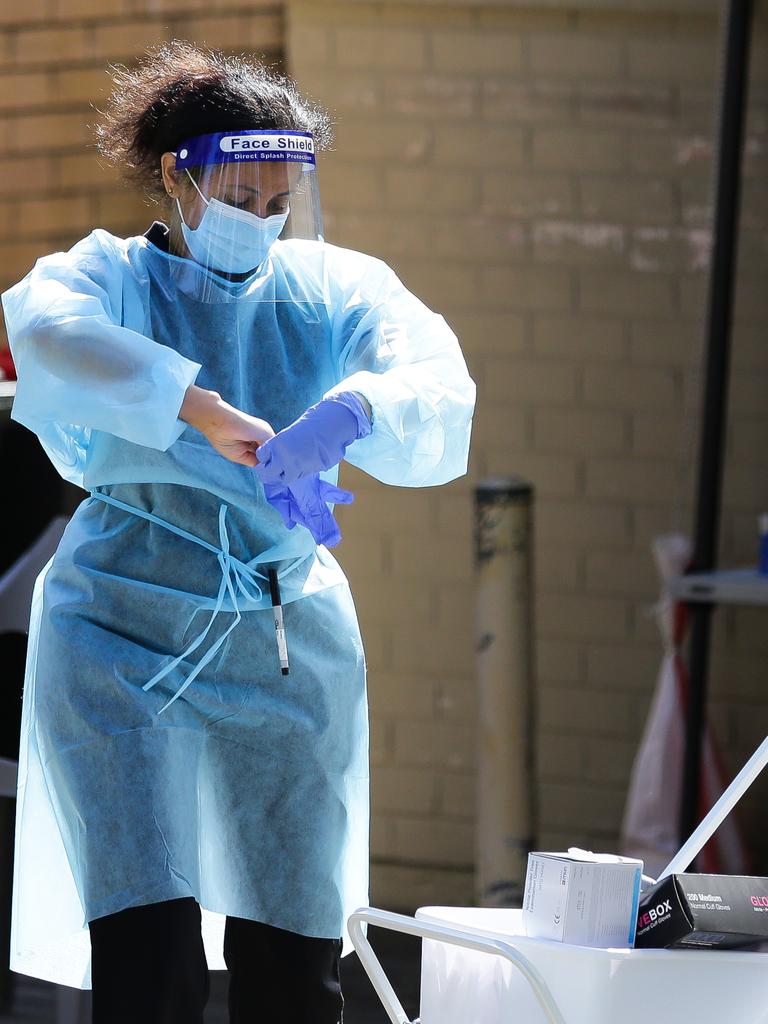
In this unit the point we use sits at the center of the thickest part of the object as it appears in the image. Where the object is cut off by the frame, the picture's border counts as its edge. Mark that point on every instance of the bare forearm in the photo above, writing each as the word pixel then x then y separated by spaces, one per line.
pixel 234 434
pixel 201 408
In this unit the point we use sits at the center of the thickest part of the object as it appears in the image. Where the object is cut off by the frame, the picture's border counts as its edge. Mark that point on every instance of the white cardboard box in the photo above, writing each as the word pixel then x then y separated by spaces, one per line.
pixel 584 898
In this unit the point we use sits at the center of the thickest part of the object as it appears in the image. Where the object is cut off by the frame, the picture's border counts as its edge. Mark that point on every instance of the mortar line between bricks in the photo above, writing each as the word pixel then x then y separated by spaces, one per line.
pixel 12 65
pixel 174 24
pixel 401 862
pixel 138 16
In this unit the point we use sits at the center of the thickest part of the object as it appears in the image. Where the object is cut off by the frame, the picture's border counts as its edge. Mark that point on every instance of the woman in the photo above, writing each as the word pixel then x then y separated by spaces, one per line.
pixel 202 382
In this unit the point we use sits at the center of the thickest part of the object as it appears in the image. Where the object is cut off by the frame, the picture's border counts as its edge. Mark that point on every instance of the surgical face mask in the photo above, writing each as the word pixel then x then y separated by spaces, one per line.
pixel 230 240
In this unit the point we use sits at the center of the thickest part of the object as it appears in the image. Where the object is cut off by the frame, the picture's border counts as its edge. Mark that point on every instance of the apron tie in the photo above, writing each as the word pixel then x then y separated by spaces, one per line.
pixel 234 573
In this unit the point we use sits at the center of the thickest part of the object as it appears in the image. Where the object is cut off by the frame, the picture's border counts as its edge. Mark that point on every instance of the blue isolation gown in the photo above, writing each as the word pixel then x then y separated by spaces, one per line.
pixel 163 753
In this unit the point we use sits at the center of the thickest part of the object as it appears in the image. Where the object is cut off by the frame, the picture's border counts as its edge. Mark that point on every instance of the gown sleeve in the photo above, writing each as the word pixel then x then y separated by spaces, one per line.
pixel 406 362
pixel 78 368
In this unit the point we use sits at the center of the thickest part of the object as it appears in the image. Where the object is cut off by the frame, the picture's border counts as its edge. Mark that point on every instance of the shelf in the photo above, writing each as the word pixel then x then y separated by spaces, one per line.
pixel 7 391
pixel 725 586
pixel 8 770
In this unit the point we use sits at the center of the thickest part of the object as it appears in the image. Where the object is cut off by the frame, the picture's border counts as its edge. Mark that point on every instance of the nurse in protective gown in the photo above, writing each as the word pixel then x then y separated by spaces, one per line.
pixel 165 751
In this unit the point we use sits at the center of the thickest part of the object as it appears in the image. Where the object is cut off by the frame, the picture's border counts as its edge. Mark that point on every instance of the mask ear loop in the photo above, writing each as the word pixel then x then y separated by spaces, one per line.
pixel 206 201
pixel 178 204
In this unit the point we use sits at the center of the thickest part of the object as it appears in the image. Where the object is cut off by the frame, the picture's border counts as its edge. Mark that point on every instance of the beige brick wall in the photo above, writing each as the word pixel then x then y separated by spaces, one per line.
pixel 540 174
pixel 565 240
pixel 53 61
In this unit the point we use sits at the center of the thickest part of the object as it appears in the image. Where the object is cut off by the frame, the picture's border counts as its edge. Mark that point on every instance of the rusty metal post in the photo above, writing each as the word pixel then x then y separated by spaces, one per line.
pixel 506 805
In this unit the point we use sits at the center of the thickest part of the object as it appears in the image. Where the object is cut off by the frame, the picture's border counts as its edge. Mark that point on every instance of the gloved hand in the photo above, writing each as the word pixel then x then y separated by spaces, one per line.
pixel 304 503
pixel 317 440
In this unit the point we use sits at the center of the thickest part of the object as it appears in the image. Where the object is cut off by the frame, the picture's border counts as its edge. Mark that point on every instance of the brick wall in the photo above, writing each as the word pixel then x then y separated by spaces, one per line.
pixel 53 60
pixel 540 174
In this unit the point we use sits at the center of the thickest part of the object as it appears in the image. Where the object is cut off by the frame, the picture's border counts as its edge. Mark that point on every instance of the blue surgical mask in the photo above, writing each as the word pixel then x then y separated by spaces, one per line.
pixel 230 240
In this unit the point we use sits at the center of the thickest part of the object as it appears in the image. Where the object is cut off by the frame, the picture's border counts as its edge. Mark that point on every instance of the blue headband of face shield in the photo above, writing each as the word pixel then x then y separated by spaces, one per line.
pixel 248 145
pixel 229 239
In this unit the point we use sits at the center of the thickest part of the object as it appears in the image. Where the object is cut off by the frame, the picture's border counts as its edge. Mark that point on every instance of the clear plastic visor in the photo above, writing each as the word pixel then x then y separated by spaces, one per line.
pixel 242 204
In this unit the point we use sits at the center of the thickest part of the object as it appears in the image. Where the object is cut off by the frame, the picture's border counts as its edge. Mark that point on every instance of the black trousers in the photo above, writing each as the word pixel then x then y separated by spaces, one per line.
pixel 148 966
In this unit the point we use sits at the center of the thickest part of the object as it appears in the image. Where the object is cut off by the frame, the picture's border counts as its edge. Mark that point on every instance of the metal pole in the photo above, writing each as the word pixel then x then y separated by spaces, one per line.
pixel 719 319
pixel 505 794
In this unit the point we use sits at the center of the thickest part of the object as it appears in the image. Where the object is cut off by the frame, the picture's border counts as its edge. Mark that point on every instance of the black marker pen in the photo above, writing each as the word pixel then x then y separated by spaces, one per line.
pixel 277 608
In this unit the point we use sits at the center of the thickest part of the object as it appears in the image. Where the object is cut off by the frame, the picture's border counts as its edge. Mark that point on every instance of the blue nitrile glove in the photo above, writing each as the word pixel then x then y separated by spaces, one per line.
pixel 303 503
pixel 317 440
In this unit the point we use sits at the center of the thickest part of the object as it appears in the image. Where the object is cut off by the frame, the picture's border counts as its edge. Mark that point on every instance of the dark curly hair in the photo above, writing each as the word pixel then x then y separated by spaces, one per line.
pixel 179 90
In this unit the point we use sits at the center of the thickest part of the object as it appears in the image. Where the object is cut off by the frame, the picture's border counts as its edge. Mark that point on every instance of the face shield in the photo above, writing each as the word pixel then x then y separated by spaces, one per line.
pixel 244 204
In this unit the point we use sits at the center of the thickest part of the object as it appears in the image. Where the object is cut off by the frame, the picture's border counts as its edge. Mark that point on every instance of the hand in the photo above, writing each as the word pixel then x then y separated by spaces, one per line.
pixel 317 440
pixel 303 503
pixel 234 434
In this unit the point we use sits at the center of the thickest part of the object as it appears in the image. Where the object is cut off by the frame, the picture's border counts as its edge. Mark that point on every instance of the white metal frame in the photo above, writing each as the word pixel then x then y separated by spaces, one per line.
pixel 442 933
